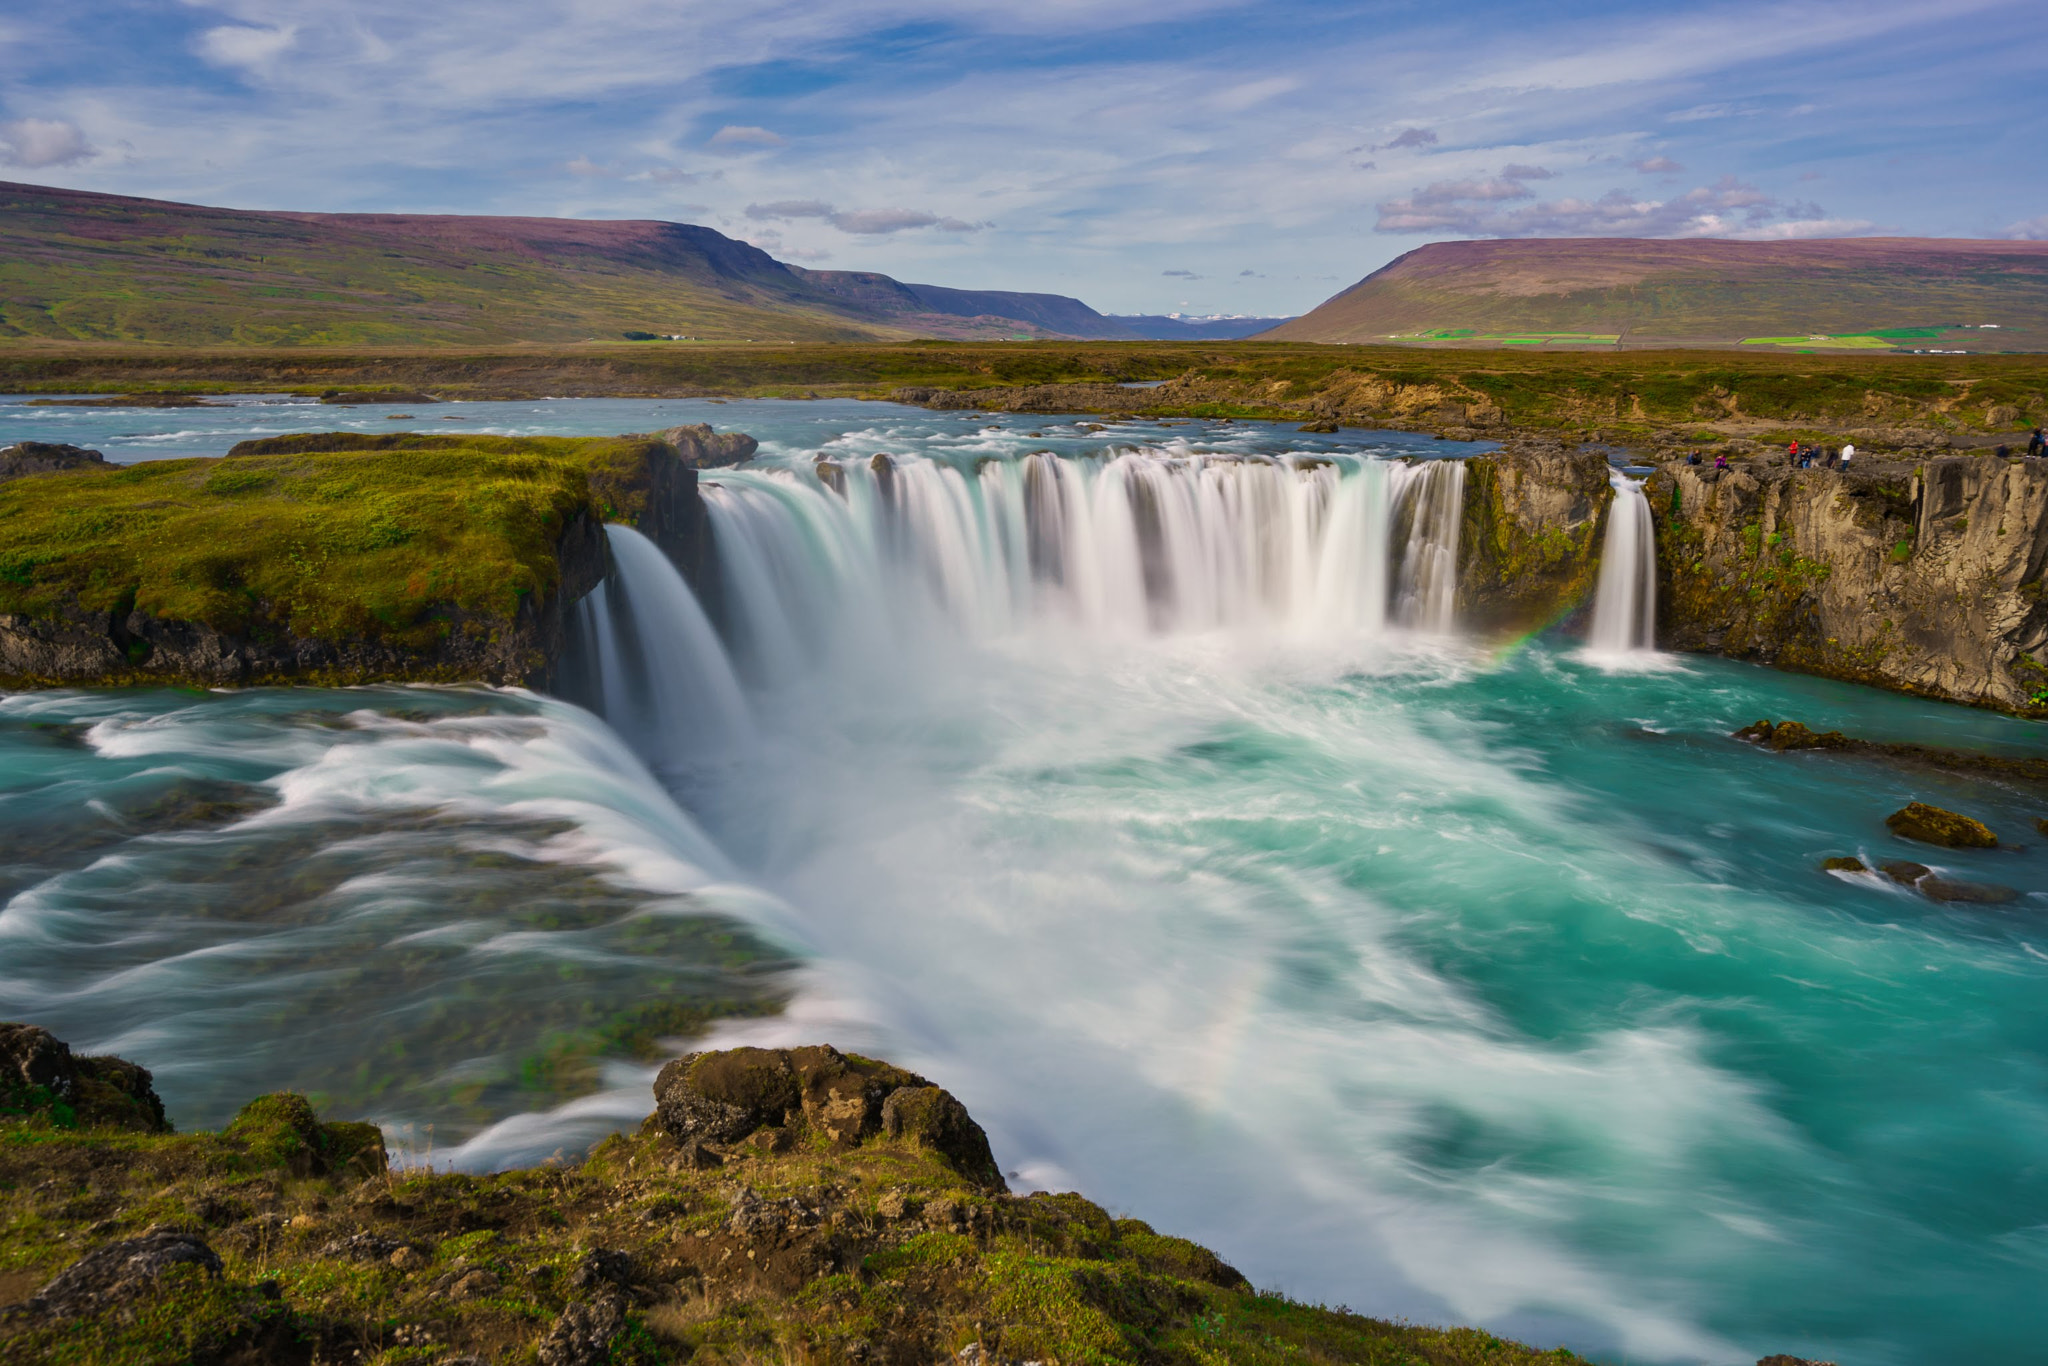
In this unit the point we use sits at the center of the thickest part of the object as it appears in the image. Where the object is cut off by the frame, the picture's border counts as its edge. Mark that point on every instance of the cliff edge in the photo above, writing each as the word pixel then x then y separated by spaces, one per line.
pixel 1924 578
pixel 796 1204
pixel 333 558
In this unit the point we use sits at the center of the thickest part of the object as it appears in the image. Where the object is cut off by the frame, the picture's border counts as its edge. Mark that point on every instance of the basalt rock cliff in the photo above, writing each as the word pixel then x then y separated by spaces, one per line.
pixel 1924 578
pixel 1530 541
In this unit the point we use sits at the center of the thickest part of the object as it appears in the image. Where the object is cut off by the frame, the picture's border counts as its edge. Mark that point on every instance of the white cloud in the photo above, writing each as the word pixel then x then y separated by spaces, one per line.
pixel 861 222
pixel 239 45
pixel 1409 139
pixel 1239 98
pixel 37 143
pixel 2031 230
pixel 871 222
pixel 584 166
pixel 1657 166
pixel 746 135
pixel 1728 208
pixel 1806 227
pixel 789 208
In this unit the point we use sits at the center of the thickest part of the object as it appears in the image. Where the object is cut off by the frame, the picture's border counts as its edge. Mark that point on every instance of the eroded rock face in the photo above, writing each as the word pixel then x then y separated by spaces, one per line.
pixel 39 1075
pixel 777 1095
pixel 1530 544
pixel 1924 578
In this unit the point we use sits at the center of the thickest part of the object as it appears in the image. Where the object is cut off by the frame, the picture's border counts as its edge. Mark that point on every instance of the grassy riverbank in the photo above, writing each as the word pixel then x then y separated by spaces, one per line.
pixel 1623 395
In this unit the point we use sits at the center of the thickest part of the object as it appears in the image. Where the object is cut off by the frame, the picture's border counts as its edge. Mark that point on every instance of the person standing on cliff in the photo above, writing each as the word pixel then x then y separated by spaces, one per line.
pixel 1848 453
pixel 2036 443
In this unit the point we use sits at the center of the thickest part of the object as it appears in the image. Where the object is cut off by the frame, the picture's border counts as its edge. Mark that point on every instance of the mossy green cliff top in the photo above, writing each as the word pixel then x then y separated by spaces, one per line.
pixel 796 1205
pixel 332 558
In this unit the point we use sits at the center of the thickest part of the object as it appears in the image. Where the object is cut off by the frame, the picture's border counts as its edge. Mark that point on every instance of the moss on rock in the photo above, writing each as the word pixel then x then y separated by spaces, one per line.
pixel 876 1252
pixel 1933 825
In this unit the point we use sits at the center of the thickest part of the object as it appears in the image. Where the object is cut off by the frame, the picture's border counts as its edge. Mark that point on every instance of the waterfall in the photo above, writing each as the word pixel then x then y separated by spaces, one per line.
pixel 861 555
pixel 1625 598
pixel 643 655
pixel 1429 565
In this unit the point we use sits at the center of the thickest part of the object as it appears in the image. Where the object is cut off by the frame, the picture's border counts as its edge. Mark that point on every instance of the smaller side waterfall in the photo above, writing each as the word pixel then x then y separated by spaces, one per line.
pixel 1625 598
pixel 643 655
pixel 1429 564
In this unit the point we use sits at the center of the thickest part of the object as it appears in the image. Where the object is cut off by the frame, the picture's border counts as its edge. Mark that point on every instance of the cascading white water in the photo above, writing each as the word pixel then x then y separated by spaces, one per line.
pixel 1429 565
pixel 817 563
pixel 651 663
pixel 1625 597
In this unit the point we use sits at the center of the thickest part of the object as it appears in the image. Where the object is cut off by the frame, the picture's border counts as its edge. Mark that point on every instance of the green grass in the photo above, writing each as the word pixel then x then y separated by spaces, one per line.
pixel 1867 341
pixel 1046 1277
pixel 391 544
pixel 1531 388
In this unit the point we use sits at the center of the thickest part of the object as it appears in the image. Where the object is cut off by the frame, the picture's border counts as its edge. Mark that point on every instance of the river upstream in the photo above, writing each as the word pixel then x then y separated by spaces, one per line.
pixel 1135 783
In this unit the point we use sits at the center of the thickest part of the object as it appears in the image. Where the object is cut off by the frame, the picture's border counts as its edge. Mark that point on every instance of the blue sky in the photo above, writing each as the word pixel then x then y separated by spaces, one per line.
pixel 1205 156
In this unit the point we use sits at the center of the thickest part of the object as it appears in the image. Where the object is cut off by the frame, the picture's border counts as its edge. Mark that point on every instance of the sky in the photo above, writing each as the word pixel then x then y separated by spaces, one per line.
pixel 1207 156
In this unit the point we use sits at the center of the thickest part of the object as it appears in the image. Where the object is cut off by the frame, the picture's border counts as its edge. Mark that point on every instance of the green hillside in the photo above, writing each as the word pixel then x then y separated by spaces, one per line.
pixel 85 267
pixel 1903 294
pixel 80 267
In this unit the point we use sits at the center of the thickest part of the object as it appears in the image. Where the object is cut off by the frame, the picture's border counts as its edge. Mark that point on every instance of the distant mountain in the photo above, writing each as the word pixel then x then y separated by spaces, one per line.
pixel 78 266
pixel 1183 327
pixel 936 306
pixel 1847 293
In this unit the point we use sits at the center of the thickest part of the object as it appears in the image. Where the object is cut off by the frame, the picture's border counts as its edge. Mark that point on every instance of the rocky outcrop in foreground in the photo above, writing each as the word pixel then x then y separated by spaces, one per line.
pixel 779 1205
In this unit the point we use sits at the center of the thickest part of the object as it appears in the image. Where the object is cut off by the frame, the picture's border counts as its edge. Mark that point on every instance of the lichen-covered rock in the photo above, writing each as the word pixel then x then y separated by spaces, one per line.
pixel 39 1075
pixel 933 1119
pixel 1905 873
pixel 1932 825
pixel 120 1271
pixel 281 1130
pixel 1843 864
pixel 723 1097
pixel 702 448
pixel 1529 545
pixel 583 1335
pixel 1788 735
pixel 765 1100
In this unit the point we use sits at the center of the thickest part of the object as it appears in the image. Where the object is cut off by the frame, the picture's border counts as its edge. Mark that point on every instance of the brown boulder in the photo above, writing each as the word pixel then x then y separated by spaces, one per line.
pixel 46 457
pixel 704 449
pixel 933 1119
pixel 769 1099
pixel 121 1271
pixel 39 1075
pixel 1932 825
pixel 1787 735
pixel 1972 893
